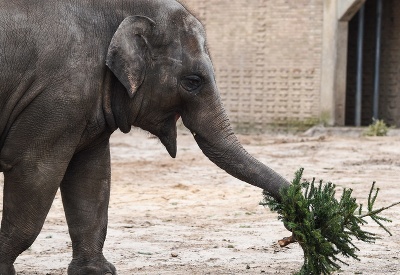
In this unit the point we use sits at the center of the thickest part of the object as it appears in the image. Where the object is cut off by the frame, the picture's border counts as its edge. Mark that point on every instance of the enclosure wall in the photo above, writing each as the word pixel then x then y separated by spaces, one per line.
pixel 267 58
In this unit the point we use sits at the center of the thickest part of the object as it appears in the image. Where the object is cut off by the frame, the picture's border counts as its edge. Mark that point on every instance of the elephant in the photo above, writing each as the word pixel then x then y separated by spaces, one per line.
pixel 74 72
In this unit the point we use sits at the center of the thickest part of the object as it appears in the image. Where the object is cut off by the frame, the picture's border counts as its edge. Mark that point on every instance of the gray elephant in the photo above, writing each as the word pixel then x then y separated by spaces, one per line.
pixel 72 73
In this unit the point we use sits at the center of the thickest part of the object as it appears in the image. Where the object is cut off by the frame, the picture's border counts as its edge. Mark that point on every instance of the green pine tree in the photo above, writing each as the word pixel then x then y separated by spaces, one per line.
pixel 324 226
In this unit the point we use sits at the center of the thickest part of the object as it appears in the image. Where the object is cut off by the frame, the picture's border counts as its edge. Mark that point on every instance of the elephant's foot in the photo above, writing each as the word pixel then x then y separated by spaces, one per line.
pixel 7 269
pixel 96 266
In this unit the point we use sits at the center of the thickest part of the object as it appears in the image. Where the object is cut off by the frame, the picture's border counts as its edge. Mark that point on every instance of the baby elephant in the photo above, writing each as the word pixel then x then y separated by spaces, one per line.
pixel 72 73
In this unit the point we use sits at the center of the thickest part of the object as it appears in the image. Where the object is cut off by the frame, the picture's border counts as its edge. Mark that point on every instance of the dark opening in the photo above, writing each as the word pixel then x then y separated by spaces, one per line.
pixel 389 76
pixel 368 60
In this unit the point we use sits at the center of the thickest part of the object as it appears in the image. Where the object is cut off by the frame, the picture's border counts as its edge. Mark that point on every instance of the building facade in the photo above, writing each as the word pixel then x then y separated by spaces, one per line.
pixel 282 63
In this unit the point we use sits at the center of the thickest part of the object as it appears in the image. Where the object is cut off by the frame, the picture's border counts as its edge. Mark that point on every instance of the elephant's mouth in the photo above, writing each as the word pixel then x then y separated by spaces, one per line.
pixel 169 133
pixel 177 116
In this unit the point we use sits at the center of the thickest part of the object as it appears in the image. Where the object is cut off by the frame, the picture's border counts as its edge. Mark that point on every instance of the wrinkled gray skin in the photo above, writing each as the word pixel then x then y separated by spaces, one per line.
pixel 73 72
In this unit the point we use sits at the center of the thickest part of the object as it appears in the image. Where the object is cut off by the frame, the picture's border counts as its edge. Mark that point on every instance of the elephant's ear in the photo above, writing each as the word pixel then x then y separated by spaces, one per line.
pixel 126 55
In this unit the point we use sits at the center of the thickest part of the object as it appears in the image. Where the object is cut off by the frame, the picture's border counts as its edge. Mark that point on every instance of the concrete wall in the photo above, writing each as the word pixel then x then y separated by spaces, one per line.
pixel 284 62
pixel 267 58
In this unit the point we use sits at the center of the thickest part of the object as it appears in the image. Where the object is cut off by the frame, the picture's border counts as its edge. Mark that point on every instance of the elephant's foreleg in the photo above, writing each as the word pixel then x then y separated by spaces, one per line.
pixel 85 192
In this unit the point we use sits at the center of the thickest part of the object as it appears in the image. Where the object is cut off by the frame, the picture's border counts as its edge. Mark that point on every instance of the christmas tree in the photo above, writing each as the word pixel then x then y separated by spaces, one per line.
pixel 323 225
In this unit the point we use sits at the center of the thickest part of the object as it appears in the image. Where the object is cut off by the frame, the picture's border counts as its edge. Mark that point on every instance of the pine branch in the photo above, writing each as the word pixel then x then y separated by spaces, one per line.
pixel 322 225
pixel 377 211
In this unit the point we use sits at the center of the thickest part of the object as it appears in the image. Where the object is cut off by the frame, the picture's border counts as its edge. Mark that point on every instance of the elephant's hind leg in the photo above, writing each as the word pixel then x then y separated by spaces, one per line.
pixel 85 192
pixel 29 191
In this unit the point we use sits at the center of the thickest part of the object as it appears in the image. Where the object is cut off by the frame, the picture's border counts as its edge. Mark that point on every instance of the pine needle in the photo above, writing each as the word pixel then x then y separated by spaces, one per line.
pixel 324 226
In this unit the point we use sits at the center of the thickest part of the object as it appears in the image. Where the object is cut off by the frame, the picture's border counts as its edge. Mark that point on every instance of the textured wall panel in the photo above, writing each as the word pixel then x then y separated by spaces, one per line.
pixel 267 56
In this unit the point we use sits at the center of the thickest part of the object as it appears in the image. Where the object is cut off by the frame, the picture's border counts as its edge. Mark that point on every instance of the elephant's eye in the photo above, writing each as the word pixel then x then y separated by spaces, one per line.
pixel 191 82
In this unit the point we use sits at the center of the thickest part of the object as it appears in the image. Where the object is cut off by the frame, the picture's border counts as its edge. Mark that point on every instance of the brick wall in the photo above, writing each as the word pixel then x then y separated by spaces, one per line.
pixel 267 57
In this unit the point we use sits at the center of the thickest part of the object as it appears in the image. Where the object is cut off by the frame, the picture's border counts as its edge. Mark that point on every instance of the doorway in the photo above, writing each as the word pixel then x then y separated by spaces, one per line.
pixel 388 98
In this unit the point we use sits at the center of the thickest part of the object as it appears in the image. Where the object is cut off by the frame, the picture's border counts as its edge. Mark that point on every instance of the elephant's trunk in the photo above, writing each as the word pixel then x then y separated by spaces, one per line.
pixel 216 139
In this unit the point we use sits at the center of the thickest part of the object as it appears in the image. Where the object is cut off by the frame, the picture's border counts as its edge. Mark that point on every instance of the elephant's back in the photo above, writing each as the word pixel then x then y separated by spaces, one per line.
pixel 45 45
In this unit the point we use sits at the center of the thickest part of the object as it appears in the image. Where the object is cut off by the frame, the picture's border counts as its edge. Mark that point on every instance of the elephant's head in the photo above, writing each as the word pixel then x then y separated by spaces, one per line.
pixel 165 67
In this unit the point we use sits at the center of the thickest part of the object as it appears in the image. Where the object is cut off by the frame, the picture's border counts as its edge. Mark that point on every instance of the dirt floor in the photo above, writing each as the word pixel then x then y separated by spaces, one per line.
pixel 186 216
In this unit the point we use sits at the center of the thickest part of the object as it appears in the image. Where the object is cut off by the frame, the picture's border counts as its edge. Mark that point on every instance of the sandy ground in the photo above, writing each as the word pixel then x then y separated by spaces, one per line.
pixel 185 216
